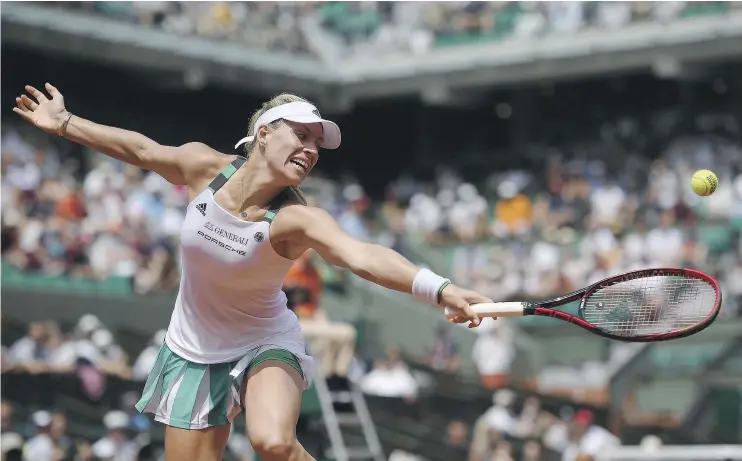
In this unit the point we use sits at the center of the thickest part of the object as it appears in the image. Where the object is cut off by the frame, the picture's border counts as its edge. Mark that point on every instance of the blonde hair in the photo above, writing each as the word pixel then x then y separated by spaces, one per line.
pixel 275 101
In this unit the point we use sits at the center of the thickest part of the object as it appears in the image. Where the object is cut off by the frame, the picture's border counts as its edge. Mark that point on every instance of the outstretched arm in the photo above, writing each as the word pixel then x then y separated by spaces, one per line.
pixel 314 228
pixel 176 164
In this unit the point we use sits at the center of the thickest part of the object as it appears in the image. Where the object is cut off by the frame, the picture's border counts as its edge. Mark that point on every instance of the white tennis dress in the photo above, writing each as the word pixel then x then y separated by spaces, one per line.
pixel 230 309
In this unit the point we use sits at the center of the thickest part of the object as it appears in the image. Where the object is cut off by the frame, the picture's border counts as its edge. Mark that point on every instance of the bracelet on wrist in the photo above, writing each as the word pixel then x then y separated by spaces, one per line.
pixel 440 292
pixel 63 129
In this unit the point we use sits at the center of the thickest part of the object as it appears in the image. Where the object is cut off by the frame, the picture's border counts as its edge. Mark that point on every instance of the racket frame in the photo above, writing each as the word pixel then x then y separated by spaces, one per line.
pixel 546 308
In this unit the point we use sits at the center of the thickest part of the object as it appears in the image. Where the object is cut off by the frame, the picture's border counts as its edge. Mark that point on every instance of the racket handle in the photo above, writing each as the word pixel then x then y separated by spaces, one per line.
pixel 513 309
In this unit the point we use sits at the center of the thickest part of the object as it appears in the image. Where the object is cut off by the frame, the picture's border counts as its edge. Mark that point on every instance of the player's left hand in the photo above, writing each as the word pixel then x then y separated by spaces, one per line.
pixel 47 113
pixel 459 301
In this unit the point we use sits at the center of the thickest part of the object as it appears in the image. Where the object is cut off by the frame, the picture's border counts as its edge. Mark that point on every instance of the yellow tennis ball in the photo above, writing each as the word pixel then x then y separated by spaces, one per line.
pixel 704 182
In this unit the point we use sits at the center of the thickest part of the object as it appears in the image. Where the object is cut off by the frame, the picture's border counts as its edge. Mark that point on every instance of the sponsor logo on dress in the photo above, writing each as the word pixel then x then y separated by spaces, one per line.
pixel 259 237
pixel 202 208
pixel 221 244
pixel 226 234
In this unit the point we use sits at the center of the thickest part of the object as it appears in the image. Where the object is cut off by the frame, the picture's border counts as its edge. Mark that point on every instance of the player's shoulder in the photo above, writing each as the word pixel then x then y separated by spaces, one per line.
pixel 297 216
pixel 200 153
pixel 296 210
pixel 201 163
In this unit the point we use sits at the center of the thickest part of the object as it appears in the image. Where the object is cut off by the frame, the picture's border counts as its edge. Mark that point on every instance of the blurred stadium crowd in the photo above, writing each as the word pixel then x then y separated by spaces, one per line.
pixel 519 234
pixel 374 27
pixel 585 220
pixel 88 356
pixel 91 376
pixel 114 222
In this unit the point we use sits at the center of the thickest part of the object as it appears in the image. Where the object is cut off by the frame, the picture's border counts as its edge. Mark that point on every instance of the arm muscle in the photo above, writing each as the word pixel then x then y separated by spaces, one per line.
pixel 314 228
pixel 178 165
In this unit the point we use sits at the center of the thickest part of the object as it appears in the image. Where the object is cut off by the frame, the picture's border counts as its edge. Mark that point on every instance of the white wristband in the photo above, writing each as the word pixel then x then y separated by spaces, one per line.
pixel 427 285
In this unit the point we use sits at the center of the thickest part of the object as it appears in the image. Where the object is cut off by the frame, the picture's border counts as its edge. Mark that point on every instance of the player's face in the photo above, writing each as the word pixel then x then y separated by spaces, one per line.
pixel 292 150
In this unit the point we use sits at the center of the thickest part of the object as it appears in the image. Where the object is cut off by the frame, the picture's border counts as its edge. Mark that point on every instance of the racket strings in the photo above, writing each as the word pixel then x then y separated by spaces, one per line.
pixel 650 305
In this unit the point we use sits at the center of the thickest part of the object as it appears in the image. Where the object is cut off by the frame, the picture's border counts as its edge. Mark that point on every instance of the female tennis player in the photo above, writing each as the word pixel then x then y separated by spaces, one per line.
pixel 232 342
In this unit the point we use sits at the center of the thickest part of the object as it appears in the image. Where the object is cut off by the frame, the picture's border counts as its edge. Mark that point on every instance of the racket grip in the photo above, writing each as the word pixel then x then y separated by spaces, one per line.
pixel 512 309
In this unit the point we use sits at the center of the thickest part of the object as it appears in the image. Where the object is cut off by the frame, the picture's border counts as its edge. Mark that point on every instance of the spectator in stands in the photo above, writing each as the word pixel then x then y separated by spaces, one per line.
pixel 158 271
pixel 12 441
pixel 115 445
pixel 532 451
pixel 390 377
pixel 466 217
pixel 513 212
pixel 41 447
pixel 333 343
pixel 500 415
pixel 6 416
pixel 147 357
pixel 61 350
pixel 31 352
pixel 111 358
pixel 351 219
pixel 65 351
pixel 372 28
pixel 556 435
pixel 138 423
pixel 503 451
pixel 58 433
pixel 92 379
pixel 391 216
pixel 493 353
pixel 444 355
pixel 83 451
pixel 606 204
pixel 665 242
pixel 587 439
pixel 11 445
pixel 526 423
pixel 484 442
pixel 423 216
pixel 456 439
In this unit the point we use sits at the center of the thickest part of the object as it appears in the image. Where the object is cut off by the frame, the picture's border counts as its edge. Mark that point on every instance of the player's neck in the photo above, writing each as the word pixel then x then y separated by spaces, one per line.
pixel 256 188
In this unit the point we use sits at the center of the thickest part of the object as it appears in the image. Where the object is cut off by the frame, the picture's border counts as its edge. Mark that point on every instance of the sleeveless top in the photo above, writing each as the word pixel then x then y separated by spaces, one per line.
pixel 230 298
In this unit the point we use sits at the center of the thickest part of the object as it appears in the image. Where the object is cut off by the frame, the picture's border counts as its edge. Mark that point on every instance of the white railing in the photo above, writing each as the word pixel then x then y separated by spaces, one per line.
pixel 673 453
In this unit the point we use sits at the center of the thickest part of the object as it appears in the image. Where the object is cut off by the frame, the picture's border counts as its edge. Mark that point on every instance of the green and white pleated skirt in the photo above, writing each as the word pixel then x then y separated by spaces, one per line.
pixel 190 395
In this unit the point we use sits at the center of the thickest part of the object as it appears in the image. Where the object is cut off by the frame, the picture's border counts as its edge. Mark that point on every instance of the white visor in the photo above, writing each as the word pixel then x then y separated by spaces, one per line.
pixel 299 112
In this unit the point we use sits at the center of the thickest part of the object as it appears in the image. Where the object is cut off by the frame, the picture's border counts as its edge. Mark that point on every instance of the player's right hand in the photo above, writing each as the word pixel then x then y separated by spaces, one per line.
pixel 459 301
pixel 47 113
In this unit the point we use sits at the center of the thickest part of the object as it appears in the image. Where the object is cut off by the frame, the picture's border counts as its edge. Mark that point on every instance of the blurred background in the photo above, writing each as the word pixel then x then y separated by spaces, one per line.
pixel 525 149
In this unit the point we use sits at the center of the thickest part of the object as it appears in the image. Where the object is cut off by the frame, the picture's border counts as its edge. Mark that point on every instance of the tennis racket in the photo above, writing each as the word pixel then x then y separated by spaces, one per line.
pixel 639 306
